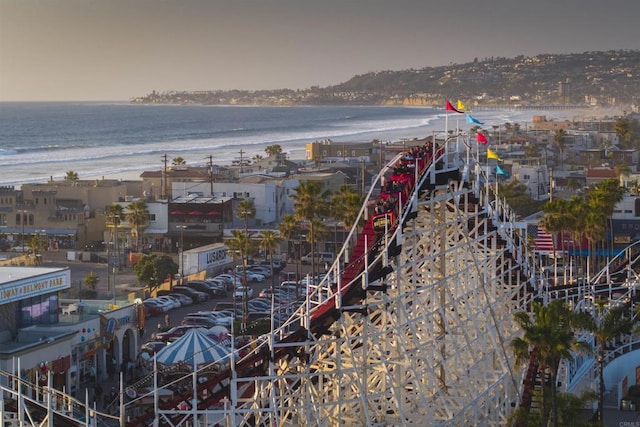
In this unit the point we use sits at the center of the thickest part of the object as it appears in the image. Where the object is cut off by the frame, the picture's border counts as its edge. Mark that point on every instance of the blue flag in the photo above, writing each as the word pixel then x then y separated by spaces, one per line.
pixel 471 119
pixel 500 171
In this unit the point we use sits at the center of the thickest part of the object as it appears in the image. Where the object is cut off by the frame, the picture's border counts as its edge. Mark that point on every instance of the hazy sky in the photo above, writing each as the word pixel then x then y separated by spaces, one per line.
pixel 118 49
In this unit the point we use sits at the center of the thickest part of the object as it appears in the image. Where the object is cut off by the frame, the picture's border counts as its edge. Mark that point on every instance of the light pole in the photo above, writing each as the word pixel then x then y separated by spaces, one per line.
pixel 181 228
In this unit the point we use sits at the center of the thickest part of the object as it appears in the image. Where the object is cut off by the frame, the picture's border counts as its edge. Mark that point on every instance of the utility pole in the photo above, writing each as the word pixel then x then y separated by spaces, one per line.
pixel 210 157
pixel 241 160
pixel 551 184
pixel 163 180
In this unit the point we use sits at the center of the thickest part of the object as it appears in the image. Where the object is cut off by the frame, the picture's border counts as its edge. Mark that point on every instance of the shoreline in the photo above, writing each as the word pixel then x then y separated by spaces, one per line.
pixel 112 162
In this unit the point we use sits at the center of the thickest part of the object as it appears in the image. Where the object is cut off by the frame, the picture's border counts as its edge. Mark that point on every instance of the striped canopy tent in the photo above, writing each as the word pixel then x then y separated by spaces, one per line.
pixel 194 344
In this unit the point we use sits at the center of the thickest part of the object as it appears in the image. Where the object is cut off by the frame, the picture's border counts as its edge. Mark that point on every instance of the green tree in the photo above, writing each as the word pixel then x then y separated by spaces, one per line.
pixel 558 139
pixel 606 326
pixel 243 244
pixel 518 197
pixel 90 284
pixel 272 150
pixel 269 242
pixel 71 176
pixel 178 161
pixel 309 204
pixel 137 214
pixel 531 151
pixel 345 205
pixel 551 331
pixel 152 270
pixel 288 228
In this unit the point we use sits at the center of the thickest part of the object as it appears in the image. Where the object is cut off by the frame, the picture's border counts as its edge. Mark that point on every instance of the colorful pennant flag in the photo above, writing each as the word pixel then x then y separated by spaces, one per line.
pixel 500 171
pixel 461 106
pixel 492 155
pixel 481 138
pixel 471 119
pixel 450 107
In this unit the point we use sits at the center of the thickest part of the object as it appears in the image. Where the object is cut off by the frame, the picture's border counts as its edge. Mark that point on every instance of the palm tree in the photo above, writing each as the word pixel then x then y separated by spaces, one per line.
pixel 345 205
pixel 309 203
pixel 558 139
pixel 557 220
pixel 71 176
pixel 606 327
pixel 178 161
pixel 256 158
pixel 138 217
pixel 273 150
pixel 269 242
pixel 551 332
pixel 243 244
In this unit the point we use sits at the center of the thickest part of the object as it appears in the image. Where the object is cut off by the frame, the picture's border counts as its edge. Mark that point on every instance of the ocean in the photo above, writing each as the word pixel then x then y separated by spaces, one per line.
pixel 40 141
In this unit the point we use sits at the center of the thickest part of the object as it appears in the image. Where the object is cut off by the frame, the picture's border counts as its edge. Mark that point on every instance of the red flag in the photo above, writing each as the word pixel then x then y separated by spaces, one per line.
pixel 450 107
pixel 481 138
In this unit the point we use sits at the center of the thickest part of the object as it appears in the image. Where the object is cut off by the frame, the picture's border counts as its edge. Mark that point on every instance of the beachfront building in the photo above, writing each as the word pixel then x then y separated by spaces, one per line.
pixel 347 152
pixel 43 334
pixel 62 214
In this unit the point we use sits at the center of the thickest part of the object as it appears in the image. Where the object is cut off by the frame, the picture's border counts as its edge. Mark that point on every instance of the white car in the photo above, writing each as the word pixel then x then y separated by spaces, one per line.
pixel 243 291
pixel 170 302
pixel 215 317
pixel 252 276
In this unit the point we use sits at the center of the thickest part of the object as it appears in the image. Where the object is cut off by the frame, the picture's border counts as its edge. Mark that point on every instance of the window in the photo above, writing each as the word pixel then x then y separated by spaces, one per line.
pixel 637 207
pixel 3 219
pixel 353 153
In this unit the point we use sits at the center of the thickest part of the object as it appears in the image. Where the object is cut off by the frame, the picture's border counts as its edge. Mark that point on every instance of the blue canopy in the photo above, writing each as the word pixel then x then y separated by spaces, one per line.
pixel 193 344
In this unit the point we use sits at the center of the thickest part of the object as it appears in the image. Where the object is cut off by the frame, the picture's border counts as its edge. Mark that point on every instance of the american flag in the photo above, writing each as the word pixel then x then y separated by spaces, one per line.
pixel 542 241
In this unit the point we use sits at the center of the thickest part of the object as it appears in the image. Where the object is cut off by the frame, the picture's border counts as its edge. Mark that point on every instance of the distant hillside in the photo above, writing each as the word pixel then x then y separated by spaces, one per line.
pixel 610 78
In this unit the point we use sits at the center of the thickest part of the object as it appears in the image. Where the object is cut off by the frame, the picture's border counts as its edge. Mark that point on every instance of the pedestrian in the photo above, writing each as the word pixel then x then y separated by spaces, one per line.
pixel 92 374
pixel 97 393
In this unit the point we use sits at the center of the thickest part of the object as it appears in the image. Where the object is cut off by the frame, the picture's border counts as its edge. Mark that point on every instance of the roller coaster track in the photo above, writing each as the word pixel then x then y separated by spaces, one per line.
pixel 410 326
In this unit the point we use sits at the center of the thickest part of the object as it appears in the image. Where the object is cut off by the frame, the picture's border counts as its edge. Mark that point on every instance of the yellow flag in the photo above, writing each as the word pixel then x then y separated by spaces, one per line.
pixel 461 106
pixel 492 155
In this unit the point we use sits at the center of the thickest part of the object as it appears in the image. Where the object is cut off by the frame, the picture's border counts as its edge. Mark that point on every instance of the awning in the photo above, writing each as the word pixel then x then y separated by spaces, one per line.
pixel 155 231
pixel 32 230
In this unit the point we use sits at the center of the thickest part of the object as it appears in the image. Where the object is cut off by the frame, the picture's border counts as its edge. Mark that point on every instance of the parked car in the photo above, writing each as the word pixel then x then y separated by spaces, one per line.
pixel 21 249
pixel 205 287
pixel 182 298
pixel 243 291
pixel 165 302
pixel 153 347
pixel 218 318
pixel 171 302
pixel 264 270
pixel 252 276
pixel 175 332
pixel 231 280
pixel 190 292
pixel 278 264
pixel 154 307
pixel 199 321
